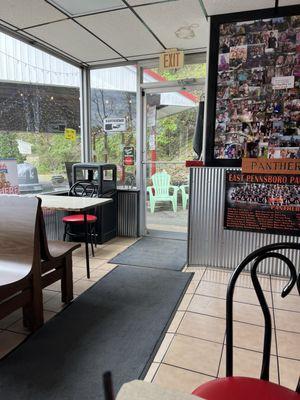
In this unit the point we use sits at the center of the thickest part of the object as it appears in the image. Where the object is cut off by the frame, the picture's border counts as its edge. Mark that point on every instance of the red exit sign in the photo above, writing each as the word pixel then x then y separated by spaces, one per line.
pixel 171 59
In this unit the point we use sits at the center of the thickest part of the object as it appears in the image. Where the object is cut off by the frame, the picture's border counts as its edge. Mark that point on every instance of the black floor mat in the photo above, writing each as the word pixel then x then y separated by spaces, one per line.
pixel 115 325
pixel 154 253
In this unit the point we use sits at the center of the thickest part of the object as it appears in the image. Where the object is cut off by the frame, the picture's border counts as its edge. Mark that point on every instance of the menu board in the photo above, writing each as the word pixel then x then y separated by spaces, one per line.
pixel 257 104
pixel 8 177
pixel 266 203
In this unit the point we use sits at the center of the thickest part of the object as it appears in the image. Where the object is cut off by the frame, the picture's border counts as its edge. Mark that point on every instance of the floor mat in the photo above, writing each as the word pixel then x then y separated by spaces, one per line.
pixel 154 253
pixel 115 325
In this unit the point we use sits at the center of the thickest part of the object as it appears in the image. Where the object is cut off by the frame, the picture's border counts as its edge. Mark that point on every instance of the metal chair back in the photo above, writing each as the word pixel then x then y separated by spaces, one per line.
pixel 256 257
pixel 83 189
pixel 161 183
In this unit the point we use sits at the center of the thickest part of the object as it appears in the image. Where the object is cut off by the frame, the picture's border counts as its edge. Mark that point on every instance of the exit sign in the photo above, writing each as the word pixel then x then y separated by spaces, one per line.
pixel 171 59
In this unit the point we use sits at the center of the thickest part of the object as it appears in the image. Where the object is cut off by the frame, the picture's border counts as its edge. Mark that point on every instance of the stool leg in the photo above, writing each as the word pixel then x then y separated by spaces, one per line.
pixel 95 236
pixel 91 240
pixel 86 246
pixel 65 233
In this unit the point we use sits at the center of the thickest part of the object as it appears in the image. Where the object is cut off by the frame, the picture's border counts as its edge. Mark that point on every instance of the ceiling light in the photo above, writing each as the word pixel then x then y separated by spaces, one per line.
pixel 79 7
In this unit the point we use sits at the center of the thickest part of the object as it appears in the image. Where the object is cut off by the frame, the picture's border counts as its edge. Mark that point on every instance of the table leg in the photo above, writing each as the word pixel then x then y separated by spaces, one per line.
pixel 86 245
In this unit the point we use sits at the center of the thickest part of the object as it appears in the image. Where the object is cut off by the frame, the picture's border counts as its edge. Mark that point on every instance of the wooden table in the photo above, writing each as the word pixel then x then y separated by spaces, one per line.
pixel 76 205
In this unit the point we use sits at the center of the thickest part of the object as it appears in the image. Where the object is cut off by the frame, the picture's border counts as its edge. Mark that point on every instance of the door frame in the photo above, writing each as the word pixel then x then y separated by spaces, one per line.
pixel 143 90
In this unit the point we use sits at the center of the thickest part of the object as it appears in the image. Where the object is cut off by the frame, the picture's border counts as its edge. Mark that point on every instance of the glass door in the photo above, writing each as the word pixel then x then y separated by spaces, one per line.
pixel 169 124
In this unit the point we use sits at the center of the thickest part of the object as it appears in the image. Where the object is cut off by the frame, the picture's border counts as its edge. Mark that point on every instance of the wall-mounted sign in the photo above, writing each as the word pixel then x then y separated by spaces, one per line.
pixel 70 134
pixel 276 166
pixel 171 59
pixel 128 155
pixel 115 125
pixel 8 177
pixel 265 203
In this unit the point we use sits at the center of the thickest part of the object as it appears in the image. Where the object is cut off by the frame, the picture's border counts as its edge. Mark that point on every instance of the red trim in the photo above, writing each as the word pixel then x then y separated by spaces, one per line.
pixel 154 75
pixel 194 163
pixel 160 78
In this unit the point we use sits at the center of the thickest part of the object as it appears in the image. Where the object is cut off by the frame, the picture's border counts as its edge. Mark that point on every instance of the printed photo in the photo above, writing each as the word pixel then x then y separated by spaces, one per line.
pixel 224 44
pixel 237 56
pixel 284 152
pixel 223 62
pixel 271 40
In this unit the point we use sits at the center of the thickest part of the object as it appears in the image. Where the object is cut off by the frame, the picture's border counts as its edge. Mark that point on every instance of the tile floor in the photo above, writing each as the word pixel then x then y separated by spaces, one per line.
pixel 193 349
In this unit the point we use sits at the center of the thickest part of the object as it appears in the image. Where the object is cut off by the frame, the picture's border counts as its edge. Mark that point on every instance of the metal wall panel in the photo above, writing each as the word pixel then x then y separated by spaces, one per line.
pixel 53 224
pixel 209 243
pixel 128 213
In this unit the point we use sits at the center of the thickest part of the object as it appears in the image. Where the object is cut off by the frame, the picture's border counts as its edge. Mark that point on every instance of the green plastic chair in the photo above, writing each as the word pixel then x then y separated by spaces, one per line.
pixel 160 191
pixel 184 195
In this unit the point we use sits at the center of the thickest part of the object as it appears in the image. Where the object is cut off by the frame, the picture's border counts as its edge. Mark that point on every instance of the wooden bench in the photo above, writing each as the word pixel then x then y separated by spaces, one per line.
pixel 20 267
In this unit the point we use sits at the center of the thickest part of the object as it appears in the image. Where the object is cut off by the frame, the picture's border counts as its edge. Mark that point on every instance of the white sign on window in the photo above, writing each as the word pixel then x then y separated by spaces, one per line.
pixel 8 177
pixel 24 147
pixel 115 124
pixel 151 116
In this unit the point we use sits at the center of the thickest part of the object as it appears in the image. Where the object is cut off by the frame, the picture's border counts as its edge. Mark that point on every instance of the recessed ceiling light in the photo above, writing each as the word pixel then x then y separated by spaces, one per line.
pixel 81 7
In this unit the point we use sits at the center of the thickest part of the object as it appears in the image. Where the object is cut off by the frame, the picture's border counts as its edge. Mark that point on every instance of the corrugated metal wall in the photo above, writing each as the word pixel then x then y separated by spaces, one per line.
pixel 128 213
pixel 209 243
pixel 53 224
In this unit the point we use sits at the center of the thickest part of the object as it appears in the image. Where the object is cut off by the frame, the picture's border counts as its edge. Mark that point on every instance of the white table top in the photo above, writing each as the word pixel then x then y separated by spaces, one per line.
pixel 140 390
pixel 70 203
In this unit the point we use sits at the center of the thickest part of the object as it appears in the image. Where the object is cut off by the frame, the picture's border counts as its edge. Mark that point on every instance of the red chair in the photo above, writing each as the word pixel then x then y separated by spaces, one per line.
pixel 81 189
pixel 242 388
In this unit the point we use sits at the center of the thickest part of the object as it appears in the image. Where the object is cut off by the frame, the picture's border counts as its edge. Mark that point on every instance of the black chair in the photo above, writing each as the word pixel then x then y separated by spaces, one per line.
pixel 81 189
pixel 242 388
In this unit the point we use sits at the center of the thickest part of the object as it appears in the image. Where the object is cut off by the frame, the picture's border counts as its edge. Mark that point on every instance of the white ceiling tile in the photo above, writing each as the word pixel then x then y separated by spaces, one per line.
pixel 25 13
pixel 179 24
pixel 215 7
pixel 33 41
pixel 123 31
pixel 5 24
pixel 144 57
pixel 116 60
pixel 289 3
pixel 74 40
pixel 141 2
pixel 80 7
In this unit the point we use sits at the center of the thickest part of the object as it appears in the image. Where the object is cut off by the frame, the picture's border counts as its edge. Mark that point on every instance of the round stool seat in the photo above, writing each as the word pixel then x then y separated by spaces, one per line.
pixel 240 388
pixel 79 219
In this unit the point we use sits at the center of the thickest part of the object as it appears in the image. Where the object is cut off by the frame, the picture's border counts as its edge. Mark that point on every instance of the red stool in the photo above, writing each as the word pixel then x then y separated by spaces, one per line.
pixel 242 388
pixel 82 189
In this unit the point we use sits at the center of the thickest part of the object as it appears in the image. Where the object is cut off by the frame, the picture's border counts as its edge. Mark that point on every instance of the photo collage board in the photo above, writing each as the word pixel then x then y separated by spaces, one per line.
pixel 258 86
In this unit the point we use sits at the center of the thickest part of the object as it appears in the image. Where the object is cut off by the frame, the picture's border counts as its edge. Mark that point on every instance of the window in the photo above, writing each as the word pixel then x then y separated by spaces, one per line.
pixel 39 115
pixel 113 119
pixel 188 71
